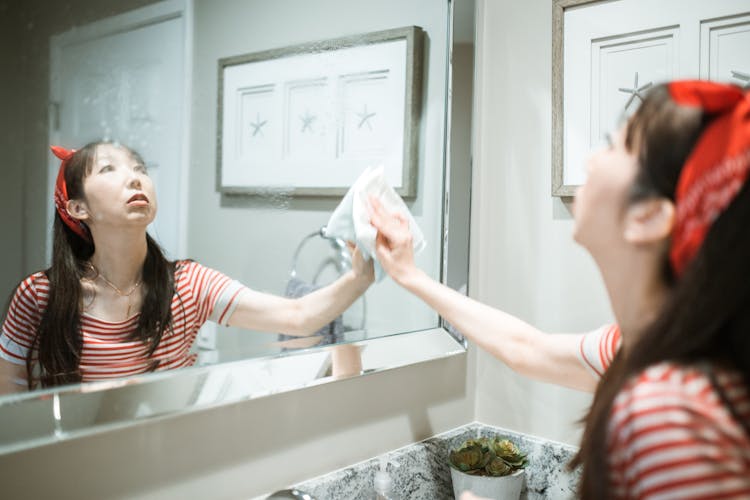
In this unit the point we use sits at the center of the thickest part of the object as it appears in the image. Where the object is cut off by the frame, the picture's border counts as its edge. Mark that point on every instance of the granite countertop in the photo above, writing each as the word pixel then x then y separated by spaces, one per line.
pixel 423 472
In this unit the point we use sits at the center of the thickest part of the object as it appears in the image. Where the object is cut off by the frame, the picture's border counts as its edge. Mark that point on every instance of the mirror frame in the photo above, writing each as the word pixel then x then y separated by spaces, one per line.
pixel 73 411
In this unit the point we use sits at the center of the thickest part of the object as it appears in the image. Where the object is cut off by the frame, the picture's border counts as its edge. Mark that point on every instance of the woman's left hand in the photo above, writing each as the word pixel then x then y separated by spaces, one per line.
pixel 360 266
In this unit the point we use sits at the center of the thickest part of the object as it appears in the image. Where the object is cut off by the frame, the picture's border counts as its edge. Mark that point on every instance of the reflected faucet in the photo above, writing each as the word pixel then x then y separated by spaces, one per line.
pixel 343 262
pixel 291 494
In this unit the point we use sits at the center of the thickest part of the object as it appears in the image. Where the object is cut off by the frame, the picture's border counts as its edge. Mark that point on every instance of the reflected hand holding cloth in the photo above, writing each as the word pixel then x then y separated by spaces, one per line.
pixel 350 221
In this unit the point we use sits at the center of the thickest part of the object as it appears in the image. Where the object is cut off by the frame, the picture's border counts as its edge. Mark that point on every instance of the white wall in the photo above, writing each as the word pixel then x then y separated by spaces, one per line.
pixel 524 260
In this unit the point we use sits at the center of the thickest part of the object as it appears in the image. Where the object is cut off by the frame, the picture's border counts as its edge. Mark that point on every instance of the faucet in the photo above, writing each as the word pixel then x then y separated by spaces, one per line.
pixel 294 494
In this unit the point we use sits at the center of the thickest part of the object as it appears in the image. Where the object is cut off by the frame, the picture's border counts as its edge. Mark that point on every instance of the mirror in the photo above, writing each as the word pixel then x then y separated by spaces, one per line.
pixel 259 239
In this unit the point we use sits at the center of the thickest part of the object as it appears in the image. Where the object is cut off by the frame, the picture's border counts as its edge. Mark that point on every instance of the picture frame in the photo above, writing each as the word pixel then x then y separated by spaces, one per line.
pixel 307 119
pixel 559 187
pixel 606 54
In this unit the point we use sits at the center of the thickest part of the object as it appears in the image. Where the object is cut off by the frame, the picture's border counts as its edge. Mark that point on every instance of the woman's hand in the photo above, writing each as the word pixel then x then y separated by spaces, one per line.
pixel 361 267
pixel 394 245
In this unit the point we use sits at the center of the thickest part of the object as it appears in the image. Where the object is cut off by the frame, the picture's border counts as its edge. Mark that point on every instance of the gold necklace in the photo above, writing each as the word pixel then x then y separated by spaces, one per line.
pixel 117 290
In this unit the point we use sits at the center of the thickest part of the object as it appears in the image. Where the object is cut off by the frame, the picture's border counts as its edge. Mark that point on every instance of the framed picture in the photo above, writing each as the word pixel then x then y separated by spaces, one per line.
pixel 606 54
pixel 306 120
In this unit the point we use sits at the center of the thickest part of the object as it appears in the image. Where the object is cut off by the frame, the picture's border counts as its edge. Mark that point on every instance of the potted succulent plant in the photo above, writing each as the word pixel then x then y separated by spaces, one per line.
pixel 488 467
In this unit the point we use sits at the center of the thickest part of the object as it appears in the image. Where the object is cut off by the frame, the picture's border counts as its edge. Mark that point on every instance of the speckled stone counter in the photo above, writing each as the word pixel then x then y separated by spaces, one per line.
pixel 424 474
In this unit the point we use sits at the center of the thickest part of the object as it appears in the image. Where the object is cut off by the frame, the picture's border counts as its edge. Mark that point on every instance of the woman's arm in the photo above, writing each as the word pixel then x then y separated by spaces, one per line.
pixel 527 350
pixel 10 373
pixel 547 357
pixel 305 315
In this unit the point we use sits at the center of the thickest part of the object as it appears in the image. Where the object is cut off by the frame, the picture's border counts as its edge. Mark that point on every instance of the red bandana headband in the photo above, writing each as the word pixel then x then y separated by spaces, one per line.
pixel 61 195
pixel 717 167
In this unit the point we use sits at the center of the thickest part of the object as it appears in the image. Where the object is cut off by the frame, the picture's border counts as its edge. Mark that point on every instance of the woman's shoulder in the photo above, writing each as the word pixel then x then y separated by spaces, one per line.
pixel 189 267
pixel 186 268
pixel 32 291
pixel 687 378
pixel 693 381
pixel 194 274
pixel 671 421
pixel 39 277
pixel 673 388
pixel 183 264
pixel 37 282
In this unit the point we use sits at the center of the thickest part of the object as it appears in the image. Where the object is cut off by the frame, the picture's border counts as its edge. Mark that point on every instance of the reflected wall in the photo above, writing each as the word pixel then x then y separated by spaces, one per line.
pixel 250 238
pixel 253 238
pixel 24 38
pixel 11 199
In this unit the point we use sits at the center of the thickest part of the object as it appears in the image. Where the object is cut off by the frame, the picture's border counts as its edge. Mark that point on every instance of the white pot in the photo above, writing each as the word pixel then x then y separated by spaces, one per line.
pixel 496 488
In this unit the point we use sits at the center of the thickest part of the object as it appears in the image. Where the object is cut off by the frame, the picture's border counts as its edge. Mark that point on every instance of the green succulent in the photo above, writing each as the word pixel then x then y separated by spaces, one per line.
pixel 509 452
pixel 468 457
pixel 498 467
pixel 488 457
pixel 505 448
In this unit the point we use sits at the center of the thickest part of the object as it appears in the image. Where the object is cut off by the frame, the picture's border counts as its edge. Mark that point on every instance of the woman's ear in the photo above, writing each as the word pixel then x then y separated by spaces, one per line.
pixel 78 209
pixel 649 221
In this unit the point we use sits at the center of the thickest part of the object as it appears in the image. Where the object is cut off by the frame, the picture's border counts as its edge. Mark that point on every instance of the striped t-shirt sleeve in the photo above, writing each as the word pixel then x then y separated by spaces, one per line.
pixel 215 292
pixel 597 349
pixel 21 323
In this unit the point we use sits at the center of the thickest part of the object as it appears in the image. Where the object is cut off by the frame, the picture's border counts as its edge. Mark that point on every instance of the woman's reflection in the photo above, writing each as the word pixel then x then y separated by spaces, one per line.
pixel 111 305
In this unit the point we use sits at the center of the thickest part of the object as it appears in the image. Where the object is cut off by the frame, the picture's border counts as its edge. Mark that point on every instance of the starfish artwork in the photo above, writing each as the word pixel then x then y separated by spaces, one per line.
pixel 743 77
pixel 307 121
pixel 364 118
pixel 635 91
pixel 257 125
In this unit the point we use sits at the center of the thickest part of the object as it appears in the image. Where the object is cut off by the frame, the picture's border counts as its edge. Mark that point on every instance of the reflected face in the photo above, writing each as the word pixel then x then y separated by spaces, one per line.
pixel 601 202
pixel 118 191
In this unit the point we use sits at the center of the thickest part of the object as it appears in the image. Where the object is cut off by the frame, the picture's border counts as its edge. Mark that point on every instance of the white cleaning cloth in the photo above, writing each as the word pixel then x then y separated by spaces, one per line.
pixel 351 219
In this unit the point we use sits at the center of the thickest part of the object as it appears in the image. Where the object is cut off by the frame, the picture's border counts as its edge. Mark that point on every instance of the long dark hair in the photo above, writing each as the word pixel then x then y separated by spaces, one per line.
pixel 58 339
pixel 706 317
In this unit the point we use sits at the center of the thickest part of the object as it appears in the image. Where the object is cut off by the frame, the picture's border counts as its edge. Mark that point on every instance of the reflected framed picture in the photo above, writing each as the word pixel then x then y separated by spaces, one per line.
pixel 306 120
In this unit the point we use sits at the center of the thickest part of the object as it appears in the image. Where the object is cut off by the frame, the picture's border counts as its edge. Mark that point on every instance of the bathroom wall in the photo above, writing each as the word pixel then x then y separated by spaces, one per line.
pixel 524 259
pixel 11 187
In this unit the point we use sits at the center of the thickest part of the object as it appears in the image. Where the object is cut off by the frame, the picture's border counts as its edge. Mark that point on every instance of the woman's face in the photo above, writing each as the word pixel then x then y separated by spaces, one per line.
pixel 118 191
pixel 601 202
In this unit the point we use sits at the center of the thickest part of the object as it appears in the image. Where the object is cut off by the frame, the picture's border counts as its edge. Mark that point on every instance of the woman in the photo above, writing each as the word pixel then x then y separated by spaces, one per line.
pixel 111 305
pixel 664 213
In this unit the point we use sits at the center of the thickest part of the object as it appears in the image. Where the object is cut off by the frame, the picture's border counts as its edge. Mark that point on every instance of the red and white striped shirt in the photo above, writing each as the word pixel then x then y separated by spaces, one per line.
pixel 201 294
pixel 670 436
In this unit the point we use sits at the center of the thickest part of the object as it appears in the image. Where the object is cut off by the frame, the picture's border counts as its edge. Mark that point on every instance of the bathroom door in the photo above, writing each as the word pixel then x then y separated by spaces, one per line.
pixel 124 79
